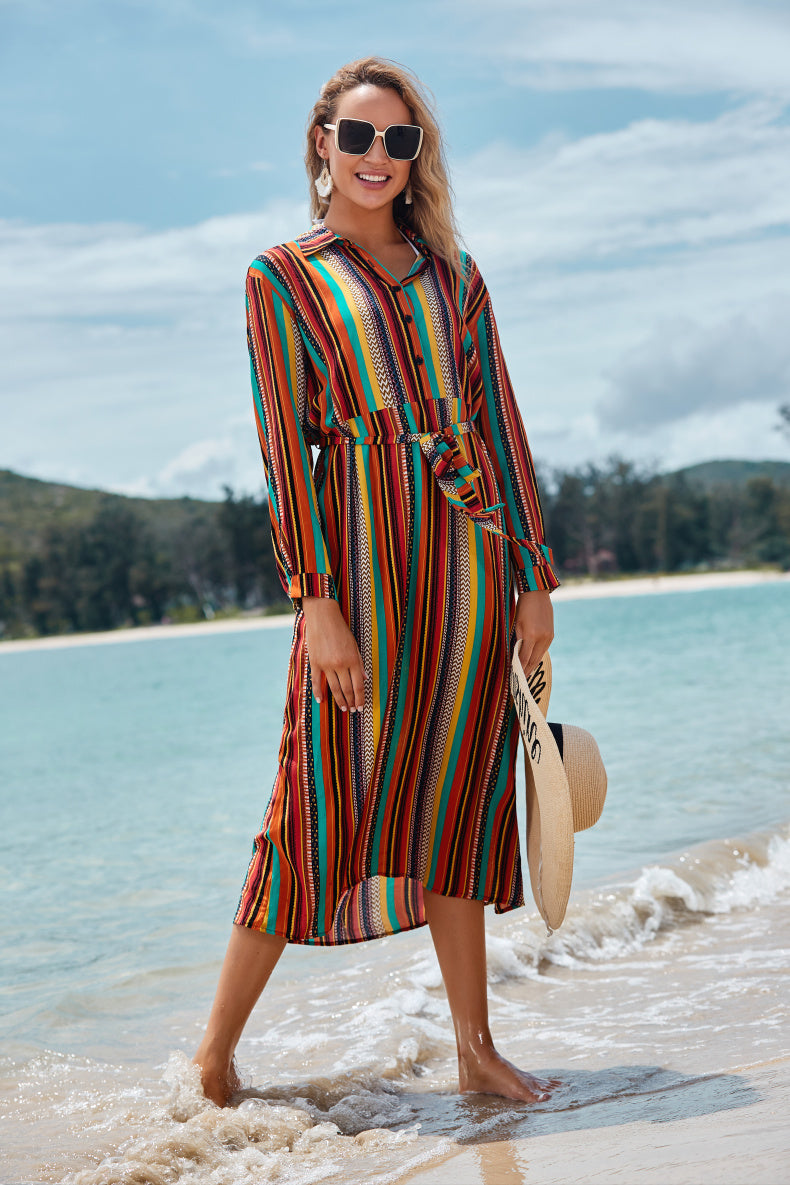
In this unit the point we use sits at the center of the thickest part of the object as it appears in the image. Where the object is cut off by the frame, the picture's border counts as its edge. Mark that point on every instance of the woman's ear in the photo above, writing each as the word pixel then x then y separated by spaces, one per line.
pixel 321 146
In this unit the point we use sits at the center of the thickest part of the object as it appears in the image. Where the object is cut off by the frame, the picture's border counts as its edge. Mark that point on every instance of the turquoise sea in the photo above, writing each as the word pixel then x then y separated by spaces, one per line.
pixel 134 777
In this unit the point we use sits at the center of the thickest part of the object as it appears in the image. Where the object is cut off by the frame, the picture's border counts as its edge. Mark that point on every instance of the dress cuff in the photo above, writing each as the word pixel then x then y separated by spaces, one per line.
pixel 533 571
pixel 311 584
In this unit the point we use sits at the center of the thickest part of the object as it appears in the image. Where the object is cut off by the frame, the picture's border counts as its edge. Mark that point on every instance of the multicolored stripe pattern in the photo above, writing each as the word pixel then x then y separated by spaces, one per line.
pixel 420 516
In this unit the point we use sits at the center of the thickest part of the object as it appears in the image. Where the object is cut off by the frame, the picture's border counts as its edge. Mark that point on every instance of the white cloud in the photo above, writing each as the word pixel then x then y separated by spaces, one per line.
pixel 126 271
pixel 592 246
pixel 124 352
pixel 565 333
pixel 651 186
pixel 684 368
pixel 229 457
pixel 682 46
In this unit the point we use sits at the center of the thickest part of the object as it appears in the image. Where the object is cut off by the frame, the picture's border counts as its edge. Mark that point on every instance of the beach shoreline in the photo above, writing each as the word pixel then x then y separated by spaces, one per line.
pixel 570 591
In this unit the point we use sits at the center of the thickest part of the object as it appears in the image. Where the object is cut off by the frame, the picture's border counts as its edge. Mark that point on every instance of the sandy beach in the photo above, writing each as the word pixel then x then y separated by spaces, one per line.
pixel 572 591
pixel 677 1134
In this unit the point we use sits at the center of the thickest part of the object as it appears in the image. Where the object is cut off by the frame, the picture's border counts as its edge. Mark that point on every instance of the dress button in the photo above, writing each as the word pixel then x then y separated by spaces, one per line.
pixel 420 360
pixel 408 319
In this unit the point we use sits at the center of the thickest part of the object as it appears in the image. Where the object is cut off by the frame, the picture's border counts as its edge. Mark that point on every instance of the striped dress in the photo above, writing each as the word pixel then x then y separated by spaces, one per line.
pixel 420 516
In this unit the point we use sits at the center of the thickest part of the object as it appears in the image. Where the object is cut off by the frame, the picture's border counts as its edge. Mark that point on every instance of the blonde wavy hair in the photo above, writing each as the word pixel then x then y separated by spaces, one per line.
pixel 430 214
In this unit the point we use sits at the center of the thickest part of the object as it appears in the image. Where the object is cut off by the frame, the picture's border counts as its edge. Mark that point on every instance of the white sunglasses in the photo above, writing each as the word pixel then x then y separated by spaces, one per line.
pixel 355 137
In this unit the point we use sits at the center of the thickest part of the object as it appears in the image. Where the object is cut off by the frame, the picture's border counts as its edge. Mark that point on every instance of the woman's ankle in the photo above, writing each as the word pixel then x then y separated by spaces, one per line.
pixel 214 1055
pixel 219 1080
pixel 475 1051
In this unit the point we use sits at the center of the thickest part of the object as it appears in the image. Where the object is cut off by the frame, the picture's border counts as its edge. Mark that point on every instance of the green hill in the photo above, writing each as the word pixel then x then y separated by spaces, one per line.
pixel 708 474
pixel 28 505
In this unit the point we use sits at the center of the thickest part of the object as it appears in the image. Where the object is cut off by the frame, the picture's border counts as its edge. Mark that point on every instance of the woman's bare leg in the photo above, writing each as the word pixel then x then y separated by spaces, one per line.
pixel 249 961
pixel 458 932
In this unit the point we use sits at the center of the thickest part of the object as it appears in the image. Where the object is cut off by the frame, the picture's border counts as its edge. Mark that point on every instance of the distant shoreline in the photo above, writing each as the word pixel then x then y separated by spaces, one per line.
pixel 573 591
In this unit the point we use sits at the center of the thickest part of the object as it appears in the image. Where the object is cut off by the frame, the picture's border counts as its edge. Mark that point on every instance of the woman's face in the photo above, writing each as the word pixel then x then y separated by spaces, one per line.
pixel 373 180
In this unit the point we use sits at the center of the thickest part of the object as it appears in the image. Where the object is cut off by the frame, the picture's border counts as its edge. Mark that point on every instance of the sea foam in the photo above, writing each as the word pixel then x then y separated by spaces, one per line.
pixel 713 878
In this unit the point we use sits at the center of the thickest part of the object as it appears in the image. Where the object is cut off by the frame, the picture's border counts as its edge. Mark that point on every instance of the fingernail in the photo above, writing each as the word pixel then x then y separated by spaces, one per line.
pixel 342 709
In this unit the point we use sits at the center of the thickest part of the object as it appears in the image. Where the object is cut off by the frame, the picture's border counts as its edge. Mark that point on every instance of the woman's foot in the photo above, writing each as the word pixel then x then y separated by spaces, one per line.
pixel 486 1072
pixel 220 1080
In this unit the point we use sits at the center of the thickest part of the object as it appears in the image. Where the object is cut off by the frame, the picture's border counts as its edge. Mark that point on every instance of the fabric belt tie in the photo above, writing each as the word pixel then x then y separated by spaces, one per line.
pixel 456 478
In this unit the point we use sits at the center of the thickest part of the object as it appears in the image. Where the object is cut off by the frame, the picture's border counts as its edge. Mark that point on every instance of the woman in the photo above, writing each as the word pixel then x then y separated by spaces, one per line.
pixel 372 337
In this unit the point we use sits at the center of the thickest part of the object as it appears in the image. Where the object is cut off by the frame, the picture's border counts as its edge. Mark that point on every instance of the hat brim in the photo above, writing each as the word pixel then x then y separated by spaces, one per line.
pixel 550 842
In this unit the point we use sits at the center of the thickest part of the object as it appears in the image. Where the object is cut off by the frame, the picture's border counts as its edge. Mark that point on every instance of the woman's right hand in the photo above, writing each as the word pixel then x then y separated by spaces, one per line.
pixel 334 654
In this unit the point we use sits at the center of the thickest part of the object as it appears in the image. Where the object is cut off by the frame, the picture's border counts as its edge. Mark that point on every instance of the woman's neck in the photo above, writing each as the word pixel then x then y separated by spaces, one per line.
pixel 372 229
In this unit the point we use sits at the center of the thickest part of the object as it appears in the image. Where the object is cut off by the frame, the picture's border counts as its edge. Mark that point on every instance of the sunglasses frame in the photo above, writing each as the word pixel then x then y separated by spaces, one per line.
pixel 332 127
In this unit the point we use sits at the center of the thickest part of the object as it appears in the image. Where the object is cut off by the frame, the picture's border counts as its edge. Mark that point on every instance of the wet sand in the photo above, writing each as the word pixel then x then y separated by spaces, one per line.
pixel 729 1128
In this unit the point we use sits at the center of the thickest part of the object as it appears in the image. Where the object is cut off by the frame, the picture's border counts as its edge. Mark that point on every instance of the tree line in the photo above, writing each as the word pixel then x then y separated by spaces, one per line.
pixel 618 518
pixel 121 569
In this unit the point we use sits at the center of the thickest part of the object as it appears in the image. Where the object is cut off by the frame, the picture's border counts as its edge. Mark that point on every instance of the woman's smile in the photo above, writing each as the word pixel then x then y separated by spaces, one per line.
pixel 373 180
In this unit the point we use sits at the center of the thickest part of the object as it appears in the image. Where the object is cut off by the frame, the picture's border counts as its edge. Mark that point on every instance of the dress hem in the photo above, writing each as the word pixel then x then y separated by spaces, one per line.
pixel 327 938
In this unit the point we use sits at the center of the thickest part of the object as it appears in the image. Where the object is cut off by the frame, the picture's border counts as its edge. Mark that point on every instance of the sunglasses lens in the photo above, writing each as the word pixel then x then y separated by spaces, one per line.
pixel 402 141
pixel 355 136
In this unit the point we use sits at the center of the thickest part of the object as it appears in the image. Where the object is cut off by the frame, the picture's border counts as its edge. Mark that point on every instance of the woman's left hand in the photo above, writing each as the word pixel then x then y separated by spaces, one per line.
pixel 534 624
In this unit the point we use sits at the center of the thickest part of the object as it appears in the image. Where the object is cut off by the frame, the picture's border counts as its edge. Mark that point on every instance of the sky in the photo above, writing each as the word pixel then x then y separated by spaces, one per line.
pixel 622 177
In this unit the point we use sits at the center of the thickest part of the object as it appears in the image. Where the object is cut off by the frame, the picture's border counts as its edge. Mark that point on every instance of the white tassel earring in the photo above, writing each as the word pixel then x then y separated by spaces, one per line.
pixel 323 182
pixel 407 194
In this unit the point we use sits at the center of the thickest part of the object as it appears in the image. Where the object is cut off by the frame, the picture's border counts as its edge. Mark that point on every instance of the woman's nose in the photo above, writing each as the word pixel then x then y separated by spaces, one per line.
pixel 377 153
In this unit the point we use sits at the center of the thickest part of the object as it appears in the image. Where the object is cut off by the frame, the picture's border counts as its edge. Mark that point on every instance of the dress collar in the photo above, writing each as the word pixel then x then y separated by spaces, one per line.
pixel 315 239
pixel 320 236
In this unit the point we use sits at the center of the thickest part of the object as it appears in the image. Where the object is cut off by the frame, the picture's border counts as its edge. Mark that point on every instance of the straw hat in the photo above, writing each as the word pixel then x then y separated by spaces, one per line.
pixel 566 788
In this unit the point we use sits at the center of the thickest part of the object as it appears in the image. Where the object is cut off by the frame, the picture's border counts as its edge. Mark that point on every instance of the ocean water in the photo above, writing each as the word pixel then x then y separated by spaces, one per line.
pixel 133 780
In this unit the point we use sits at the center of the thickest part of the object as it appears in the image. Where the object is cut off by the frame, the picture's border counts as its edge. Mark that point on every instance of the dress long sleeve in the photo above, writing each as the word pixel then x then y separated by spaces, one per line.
pixel 280 392
pixel 499 422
